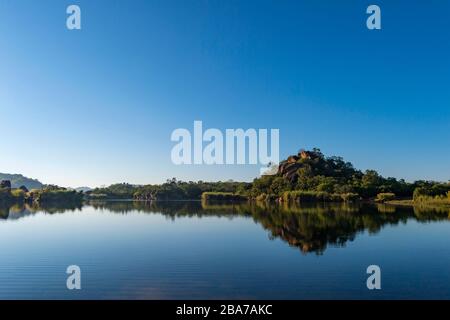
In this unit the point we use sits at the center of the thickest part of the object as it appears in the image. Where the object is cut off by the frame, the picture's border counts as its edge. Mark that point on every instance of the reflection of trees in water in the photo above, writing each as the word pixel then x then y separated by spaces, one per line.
pixel 18 211
pixel 311 228
pixel 427 213
pixel 4 212
pixel 171 209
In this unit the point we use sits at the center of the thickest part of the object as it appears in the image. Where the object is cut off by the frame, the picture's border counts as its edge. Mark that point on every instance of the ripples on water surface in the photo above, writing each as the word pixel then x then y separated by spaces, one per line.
pixel 189 250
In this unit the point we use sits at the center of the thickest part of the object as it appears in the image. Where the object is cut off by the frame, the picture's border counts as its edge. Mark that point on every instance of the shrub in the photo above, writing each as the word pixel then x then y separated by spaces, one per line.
pixel 309 196
pixel 383 197
pixel 335 197
pixel 55 195
pixel 419 192
pixel 262 197
pixel 18 194
pixel 322 196
pixel 350 197
pixel 222 196
pixel 286 196
pixel 98 196
pixel 430 200
pixel 5 195
pixel 266 197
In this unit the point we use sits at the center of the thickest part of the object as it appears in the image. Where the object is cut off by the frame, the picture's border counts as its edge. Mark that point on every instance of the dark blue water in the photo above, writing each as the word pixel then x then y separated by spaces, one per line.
pixel 193 251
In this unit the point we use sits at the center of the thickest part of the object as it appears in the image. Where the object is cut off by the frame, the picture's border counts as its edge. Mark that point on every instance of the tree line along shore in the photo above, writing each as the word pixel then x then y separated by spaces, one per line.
pixel 47 194
pixel 308 176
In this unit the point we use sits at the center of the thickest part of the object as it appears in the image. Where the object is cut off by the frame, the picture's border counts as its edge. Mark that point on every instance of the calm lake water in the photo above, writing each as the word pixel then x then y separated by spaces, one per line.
pixel 189 250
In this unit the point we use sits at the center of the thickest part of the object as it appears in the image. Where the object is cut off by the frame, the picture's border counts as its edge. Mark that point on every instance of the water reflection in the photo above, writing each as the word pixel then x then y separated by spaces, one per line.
pixel 311 228
pixel 22 210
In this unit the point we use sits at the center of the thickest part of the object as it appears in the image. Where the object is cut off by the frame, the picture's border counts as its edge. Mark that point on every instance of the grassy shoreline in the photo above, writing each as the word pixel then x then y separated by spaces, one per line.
pixel 412 203
pixel 408 202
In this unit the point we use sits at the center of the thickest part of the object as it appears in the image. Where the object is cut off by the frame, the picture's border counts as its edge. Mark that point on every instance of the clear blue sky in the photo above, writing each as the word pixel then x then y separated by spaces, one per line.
pixel 97 106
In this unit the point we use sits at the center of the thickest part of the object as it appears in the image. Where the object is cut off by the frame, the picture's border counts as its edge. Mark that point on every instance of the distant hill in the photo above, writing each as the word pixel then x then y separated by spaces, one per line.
pixel 83 189
pixel 18 180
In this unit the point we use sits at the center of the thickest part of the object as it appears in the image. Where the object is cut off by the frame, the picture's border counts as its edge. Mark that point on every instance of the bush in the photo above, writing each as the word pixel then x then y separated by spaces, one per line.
pixel 419 192
pixel 266 197
pixel 18 195
pixel 222 196
pixel 289 196
pixel 430 200
pixel 5 195
pixel 262 197
pixel 308 196
pixel 430 189
pixel 56 195
pixel 350 197
pixel 387 196
pixel 98 196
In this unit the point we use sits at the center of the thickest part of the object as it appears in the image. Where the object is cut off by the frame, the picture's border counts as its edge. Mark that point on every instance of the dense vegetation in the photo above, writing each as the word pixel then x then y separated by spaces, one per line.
pixel 318 196
pixel 46 195
pixel 172 189
pixel 309 176
pixel 115 191
pixel 54 194
pixel 423 196
pixel 312 176
pixel 384 197
pixel 222 196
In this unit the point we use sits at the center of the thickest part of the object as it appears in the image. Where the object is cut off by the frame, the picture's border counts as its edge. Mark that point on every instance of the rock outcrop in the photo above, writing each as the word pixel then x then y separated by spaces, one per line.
pixel 288 168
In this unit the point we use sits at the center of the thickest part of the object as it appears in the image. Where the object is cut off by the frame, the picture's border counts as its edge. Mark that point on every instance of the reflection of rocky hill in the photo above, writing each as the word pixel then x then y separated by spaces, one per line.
pixel 310 228
pixel 313 228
